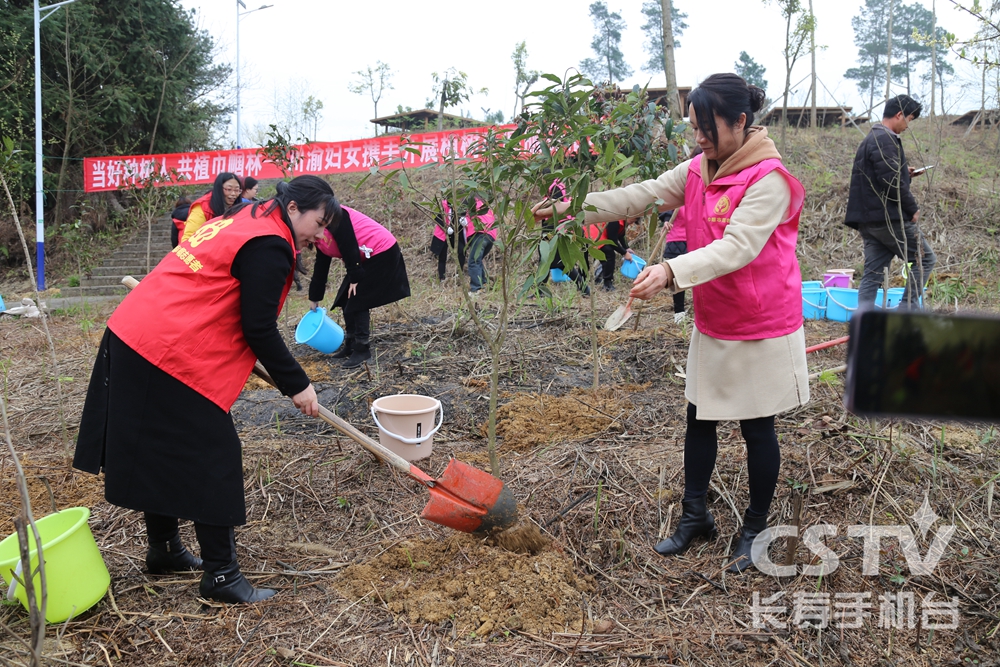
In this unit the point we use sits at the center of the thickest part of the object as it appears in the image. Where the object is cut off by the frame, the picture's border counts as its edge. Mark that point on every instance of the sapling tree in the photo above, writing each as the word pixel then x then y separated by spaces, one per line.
pixel 373 80
pixel 569 131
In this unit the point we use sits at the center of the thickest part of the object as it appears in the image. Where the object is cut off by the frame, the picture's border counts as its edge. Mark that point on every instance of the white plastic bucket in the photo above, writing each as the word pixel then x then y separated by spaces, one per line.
pixel 406 424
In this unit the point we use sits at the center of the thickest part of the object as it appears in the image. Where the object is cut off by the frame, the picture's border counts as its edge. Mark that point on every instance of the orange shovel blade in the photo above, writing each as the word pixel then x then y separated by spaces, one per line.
pixel 470 500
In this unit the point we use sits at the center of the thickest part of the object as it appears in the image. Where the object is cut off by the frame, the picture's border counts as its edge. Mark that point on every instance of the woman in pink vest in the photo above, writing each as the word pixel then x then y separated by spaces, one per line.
pixel 747 356
pixel 445 234
pixel 376 276
pixel 174 358
pixel 481 230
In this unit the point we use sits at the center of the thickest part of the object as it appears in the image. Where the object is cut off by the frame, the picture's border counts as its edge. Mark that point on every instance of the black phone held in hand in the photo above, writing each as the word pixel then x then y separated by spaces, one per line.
pixel 920 364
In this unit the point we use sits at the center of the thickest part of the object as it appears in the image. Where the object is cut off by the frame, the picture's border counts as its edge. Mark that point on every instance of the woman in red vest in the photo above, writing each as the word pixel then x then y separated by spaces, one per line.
pixel 747 356
pixel 174 358
pixel 225 192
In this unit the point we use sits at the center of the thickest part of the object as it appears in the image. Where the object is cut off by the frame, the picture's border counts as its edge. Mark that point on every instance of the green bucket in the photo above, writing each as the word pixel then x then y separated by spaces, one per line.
pixel 75 574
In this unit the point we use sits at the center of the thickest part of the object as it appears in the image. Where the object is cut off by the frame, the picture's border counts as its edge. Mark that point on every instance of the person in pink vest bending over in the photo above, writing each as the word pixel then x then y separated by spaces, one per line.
pixel 445 234
pixel 481 231
pixel 747 356
pixel 376 276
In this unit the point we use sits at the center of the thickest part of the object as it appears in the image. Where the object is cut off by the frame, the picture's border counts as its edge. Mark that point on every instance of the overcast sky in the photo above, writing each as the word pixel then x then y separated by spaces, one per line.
pixel 317 45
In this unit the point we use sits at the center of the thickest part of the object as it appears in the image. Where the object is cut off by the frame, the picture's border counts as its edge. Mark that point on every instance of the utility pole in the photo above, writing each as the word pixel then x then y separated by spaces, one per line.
pixel 39 185
pixel 812 49
pixel 888 57
pixel 673 98
pixel 239 17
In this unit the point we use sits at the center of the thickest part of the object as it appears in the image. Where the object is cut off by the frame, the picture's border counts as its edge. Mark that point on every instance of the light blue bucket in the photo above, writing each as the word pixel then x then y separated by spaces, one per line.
pixel 892 299
pixel 631 268
pixel 841 302
pixel 812 284
pixel 557 276
pixel 319 332
pixel 813 303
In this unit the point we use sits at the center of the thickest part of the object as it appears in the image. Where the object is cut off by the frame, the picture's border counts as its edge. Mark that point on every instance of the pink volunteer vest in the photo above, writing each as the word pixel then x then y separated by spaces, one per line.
pixel 438 232
pixel 483 224
pixel 764 298
pixel 372 237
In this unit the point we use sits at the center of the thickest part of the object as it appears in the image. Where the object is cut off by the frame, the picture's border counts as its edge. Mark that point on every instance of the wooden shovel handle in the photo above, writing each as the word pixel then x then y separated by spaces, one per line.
pixel 376 448
pixel 380 452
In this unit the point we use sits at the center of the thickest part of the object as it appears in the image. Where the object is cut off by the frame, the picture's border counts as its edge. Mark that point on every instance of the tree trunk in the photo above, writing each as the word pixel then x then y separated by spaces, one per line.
pixel 907 71
pixel 933 51
pixel 788 78
pixel 888 56
pixel 812 51
pixel 669 70
pixel 444 88
pixel 68 133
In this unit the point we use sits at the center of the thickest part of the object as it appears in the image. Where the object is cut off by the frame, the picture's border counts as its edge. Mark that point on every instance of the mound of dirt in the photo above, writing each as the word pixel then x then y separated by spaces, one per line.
pixel 530 420
pixel 481 588
pixel 317 370
pixel 48 484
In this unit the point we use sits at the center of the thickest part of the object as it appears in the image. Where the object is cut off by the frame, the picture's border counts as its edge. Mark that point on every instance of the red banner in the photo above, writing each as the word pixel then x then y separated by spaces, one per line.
pixel 340 157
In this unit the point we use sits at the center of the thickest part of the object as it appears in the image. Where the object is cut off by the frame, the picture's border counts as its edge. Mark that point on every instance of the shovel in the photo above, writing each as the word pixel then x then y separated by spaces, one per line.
pixel 619 317
pixel 464 498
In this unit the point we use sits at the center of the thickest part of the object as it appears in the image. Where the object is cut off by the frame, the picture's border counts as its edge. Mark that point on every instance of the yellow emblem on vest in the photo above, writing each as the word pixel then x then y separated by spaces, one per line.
pixel 722 205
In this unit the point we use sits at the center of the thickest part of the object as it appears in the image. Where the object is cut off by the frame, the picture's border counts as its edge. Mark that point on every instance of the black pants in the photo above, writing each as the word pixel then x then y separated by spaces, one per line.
pixel 608 266
pixel 443 251
pixel 676 249
pixel 701 444
pixel 358 328
pixel 217 543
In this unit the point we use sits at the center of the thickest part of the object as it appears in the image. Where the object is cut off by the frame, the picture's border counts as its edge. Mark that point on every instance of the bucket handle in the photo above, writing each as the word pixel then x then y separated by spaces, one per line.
pixel 813 305
pixel 12 589
pixel 847 308
pixel 411 441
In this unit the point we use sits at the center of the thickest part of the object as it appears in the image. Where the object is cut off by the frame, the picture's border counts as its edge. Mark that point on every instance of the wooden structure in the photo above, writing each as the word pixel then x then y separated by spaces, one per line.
pixel 659 95
pixel 799 116
pixel 990 117
pixel 423 120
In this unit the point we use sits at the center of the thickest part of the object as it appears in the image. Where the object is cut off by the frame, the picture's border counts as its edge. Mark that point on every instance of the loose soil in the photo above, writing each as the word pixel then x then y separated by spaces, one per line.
pixel 530 420
pixel 476 586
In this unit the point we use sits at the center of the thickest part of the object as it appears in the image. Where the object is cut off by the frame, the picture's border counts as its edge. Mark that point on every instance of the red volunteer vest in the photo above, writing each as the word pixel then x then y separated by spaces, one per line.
pixel 205 202
pixel 764 298
pixel 184 317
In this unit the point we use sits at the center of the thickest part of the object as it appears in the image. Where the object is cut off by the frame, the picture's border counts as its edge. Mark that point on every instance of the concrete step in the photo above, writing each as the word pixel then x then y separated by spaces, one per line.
pixel 101 281
pixel 137 260
pixel 119 270
pixel 99 290
pixel 141 248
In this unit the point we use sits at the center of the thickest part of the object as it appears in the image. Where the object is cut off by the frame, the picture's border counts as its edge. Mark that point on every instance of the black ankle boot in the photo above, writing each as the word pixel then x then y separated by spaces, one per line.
pixel 361 354
pixel 170 556
pixel 345 351
pixel 228 584
pixel 696 521
pixel 742 558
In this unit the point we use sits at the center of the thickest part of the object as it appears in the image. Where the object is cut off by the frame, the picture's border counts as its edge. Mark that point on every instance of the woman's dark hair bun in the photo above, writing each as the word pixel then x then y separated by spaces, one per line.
pixel 281 187
pixel 757 98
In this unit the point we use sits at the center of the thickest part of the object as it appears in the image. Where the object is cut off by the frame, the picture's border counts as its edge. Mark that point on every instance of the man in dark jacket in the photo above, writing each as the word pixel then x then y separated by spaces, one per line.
pixel 882 209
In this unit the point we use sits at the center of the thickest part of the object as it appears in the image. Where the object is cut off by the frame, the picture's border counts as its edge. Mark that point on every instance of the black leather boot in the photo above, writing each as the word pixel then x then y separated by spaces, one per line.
pixel 742 558
pixel 170 556
pixel 696 521
pixel 361 354
pixel 345 350
pixel 227 584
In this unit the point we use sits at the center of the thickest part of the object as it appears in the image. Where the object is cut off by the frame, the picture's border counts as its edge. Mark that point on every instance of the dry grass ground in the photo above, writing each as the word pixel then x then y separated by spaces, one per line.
pixel 362 581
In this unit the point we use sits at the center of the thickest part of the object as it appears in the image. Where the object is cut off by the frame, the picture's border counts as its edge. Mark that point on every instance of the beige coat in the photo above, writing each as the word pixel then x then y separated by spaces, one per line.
pixel 726 379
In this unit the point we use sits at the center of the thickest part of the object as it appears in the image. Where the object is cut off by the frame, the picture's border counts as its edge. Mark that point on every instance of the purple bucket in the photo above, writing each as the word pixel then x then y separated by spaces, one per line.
pixel 838 278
